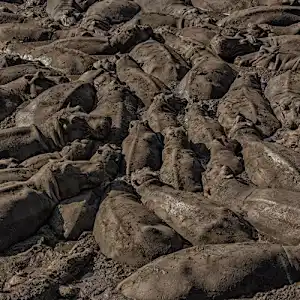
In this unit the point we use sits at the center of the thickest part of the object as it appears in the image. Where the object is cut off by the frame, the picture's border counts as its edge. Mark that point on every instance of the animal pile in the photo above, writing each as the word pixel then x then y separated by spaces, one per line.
pixel 149 149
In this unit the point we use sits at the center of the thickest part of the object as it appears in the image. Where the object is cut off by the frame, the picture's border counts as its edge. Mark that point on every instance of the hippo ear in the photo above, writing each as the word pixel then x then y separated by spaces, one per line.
pixel 40 75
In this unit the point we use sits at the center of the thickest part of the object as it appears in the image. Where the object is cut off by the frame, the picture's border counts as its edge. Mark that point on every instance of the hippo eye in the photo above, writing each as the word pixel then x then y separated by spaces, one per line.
pixel 155 231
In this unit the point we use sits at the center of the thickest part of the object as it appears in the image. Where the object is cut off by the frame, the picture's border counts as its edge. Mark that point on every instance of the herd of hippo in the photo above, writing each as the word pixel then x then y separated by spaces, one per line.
pixel 163 134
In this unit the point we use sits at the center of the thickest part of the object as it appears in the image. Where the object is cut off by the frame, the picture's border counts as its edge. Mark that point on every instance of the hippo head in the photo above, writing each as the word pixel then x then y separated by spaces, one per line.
pixel 144 176
pixel 111 156
pixel 175 136
pixel 99 126
pixel 243 130
pixel 246 80
pixel 79 150
pixel 70 17
pixel 119 187
pixel 137 126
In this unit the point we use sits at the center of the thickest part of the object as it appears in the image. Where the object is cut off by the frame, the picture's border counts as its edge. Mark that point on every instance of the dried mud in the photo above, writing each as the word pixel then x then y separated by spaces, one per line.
pixel 144 128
